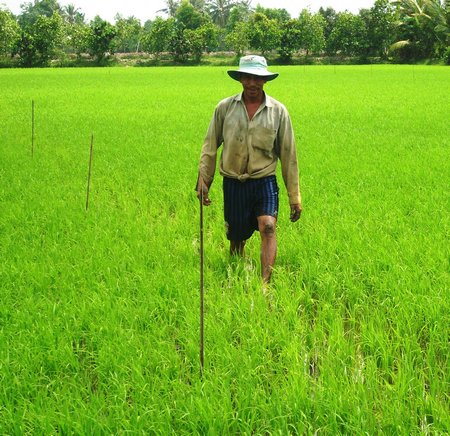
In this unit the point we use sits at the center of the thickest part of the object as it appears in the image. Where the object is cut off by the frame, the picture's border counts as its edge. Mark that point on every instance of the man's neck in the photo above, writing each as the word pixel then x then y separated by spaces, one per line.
pixel 257 100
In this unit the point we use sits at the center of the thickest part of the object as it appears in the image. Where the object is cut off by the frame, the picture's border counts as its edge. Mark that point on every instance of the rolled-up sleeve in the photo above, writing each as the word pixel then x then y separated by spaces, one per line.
pixel 288 157
pixel 212 142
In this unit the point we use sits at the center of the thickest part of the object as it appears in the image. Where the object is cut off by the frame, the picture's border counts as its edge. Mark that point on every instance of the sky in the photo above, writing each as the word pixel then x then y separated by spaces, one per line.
pixel 145 10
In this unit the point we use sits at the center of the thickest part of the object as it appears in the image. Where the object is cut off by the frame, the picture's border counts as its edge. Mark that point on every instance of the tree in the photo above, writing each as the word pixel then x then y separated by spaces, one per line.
pixel 264 34
pixel 128 34
pixel 380 24
pixel 201 40
pixel 39 42
pixel 330 16
pixel 423 28
pixel 199 5
pixel 240 12
pixel 238 40
pixel 219 11
pixel 32 11
pixel 349 35
pixel 279 15
pixel 290 39
pixel 171 8
pixel 179 44
pixel 9 32
pixel 158 38
pixel 78 36
pixel 75 29
pixel 100 39
pixel 72 15
pixel 48 35
pixel 189 17
pixel 312 31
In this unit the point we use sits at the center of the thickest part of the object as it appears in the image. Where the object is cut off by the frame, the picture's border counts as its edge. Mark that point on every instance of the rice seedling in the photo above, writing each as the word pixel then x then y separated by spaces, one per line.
pixel 99 318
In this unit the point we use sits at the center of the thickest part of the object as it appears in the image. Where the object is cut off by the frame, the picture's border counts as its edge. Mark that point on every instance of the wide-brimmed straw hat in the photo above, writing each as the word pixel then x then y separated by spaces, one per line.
pixel 254 65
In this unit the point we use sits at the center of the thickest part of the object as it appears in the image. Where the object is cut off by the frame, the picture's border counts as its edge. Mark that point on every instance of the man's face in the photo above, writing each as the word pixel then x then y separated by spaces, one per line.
pixel 253 85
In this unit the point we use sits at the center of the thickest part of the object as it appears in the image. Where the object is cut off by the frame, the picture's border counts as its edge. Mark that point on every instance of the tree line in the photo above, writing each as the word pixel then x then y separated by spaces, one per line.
pixel 400 31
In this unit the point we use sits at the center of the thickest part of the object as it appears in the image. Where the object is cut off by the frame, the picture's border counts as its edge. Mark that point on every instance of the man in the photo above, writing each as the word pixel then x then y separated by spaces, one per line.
pixel 255 131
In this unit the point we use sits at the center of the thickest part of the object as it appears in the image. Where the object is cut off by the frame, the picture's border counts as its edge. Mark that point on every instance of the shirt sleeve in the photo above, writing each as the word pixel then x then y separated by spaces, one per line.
pixel 288 158
pixel 212 141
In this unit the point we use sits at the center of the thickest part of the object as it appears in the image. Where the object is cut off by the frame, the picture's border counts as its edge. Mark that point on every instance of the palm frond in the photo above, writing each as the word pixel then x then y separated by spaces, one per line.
pixel 399 45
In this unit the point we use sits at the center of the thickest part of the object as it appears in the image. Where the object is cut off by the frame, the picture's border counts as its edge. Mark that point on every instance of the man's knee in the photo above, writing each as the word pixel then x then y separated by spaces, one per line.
pixel 267 228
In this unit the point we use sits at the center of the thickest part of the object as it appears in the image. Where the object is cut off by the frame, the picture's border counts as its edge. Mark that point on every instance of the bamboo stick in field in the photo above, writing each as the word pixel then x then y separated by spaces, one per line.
pixel 89 172
pixel 32 127
pixel 202 299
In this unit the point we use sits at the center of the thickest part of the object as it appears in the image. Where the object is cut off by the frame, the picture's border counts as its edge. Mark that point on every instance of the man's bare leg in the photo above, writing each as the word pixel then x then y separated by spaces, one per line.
pixel 237 248
pixel 267 226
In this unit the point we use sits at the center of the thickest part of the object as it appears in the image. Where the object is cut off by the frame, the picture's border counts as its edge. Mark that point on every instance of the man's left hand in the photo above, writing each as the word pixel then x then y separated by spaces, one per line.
pixel 296 211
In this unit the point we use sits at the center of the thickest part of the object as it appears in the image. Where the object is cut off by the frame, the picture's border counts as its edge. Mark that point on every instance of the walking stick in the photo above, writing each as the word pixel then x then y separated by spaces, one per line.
pixel 202 312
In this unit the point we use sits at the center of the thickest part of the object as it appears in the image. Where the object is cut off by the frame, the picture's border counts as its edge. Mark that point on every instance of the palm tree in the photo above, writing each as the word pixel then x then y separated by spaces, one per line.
pixel 219 10
pixel 424 23
pixel 440 11
pixel 171 8
pixel 198 5
pixel 72 14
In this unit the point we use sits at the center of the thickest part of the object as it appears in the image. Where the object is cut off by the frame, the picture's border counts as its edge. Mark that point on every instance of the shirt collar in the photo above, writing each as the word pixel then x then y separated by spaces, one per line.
pixel 267 100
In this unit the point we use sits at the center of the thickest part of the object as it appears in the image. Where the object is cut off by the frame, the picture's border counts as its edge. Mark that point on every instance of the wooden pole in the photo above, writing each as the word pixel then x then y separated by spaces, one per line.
pixel 89 172
pixel 32 128
pixel 202 299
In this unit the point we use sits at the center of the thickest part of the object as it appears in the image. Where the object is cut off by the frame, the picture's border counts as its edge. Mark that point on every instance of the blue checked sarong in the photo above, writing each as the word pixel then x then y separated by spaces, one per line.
pixel 245 201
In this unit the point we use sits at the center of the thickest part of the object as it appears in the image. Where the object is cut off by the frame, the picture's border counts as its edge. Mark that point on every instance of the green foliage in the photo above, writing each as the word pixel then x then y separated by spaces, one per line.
pixel 48 34
pixel 380 22
pixel 198 5
pixel 157 39
pixel 330 16
pixel 220 10
pixel 424 29
pixel 72 15
pixel 311 37
pixel 101 38
pixel 32 11
pixel 189 17
pixel 38 44
pixel 202 39
pixel 210 33
pixel 197 43
pixel 238 39
pixel 305 33
pixel 290 39
pixel 238 13
pixel 128 34
pixel 263 33
pixel 171 8
pixel 279 15
pixel 179 45
pixel 78 37
pixel 349 35
pixel 408 30
pixel 446 56
pixel 9 32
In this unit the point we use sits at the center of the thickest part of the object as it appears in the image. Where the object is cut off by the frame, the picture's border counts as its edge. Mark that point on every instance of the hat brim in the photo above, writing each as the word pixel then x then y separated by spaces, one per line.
pixel 236 74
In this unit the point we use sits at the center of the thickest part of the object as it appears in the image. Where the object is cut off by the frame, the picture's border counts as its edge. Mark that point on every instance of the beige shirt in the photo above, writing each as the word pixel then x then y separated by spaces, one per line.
pixel 251 148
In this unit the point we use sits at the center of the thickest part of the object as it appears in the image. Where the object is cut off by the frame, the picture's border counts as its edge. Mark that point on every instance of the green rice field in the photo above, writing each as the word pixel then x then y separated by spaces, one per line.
pixel 99 312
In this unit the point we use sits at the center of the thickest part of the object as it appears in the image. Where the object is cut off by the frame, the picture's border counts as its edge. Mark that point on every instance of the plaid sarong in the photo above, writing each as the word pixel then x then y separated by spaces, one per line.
pixel 245 201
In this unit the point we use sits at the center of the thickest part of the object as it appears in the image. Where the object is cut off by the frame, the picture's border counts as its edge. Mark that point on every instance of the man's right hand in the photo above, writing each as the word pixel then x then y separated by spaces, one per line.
pixel 203 189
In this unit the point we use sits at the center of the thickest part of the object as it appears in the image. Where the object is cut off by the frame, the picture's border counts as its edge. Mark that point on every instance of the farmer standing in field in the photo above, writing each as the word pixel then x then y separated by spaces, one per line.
pixel 255 131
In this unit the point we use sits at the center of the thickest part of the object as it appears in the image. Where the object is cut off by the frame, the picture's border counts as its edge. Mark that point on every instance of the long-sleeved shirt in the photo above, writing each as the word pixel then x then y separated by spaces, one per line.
pixel 251 148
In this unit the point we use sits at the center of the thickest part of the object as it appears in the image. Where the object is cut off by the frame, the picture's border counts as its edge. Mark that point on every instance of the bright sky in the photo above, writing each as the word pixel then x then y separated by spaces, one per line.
pixel 145 10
